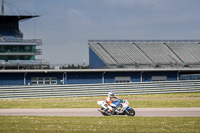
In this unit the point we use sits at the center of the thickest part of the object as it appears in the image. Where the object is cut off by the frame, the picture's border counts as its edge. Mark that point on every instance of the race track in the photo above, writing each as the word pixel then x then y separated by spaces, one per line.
pixel 92 112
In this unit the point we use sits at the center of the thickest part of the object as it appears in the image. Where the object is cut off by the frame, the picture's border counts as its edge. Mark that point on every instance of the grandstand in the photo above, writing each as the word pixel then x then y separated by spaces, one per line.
pixel 15 51
pixel 144 53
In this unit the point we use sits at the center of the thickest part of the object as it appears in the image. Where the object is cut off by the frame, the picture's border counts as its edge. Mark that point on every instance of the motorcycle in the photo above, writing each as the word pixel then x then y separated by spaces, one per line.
pixel 121 108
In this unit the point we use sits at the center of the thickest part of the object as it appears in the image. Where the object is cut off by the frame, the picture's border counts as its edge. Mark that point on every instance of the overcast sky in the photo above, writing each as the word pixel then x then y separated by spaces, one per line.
pixel 66 25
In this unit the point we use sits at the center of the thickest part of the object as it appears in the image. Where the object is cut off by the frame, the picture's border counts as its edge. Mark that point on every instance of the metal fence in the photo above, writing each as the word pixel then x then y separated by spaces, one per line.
pixel 75 90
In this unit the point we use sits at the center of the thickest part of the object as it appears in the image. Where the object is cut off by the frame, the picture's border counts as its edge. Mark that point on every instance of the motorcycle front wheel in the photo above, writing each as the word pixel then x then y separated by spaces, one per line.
pixel 131 112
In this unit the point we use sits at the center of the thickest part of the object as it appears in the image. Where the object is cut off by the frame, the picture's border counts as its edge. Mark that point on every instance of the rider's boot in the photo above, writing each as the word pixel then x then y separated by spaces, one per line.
pixel 105 111
pixel 110 112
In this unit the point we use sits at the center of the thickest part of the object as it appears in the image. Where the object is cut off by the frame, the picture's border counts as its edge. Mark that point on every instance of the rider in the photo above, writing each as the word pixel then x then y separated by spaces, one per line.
pixel 109 101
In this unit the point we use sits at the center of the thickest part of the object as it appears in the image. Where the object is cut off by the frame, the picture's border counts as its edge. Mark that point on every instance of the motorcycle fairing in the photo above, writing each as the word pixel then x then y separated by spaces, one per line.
pixel 128 108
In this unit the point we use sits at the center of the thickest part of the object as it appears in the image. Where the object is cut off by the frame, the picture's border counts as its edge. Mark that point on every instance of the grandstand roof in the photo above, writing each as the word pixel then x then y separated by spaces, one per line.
pixel 162 41
pixel 100 70
pixel 154 53
pixel 17 17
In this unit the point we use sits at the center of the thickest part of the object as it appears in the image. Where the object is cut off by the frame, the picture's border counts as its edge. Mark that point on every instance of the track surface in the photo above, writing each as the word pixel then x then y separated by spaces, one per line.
pixel 92 112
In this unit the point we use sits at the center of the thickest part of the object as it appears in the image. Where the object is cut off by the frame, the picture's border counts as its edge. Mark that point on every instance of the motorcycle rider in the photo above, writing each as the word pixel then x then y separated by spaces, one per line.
pixel 109 100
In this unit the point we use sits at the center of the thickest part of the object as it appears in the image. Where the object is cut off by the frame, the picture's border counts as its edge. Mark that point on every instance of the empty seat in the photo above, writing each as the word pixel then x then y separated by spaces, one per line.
pixel 147 52
pixel 183 53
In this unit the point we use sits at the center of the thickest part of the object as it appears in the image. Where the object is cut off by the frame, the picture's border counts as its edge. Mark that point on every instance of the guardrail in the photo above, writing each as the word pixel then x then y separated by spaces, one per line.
pixel 76 90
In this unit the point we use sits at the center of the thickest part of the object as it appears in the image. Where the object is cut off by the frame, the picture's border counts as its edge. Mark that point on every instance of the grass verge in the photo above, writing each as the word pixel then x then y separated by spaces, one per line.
pixel 20 124
pixel 136 101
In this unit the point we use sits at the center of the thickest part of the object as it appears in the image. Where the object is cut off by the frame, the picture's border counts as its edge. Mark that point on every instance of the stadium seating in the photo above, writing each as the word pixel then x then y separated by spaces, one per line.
pixel 151 53
pixel 155 53
pixel 116 52
pixel 166 54
pixel 134 53
pixel 183 53
pixel 194 48
pixel 102 53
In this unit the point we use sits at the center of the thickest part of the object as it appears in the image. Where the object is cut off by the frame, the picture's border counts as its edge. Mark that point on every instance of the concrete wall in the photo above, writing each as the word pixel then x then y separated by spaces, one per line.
pixel 95 61
pixel 147 76
pixel 84 78
pixel 109 77
pixel 11 78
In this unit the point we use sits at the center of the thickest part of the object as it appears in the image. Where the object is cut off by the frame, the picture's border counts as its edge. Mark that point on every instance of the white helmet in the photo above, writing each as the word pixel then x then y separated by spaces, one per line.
pixel 110 94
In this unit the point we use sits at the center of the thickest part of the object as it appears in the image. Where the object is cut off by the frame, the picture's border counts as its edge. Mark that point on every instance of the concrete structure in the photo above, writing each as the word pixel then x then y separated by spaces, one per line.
pixel 94 76
pixel 15 51
pixel 144 53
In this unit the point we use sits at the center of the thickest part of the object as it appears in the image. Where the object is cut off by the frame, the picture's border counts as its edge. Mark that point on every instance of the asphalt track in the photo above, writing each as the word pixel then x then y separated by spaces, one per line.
pixel 92 112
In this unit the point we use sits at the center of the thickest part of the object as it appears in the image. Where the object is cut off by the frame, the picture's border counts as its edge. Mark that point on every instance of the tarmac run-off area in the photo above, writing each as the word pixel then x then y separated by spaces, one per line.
pixel 93 112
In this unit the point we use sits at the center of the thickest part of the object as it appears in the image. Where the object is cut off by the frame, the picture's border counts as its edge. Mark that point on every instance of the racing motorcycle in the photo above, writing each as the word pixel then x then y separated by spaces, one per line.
pixel 121 108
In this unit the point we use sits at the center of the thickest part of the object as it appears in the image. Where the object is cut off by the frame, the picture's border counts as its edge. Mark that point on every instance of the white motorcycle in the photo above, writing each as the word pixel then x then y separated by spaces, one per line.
pixel 121 108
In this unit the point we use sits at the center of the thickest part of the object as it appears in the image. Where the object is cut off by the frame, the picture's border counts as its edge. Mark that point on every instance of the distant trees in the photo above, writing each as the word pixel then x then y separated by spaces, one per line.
pixel 72 66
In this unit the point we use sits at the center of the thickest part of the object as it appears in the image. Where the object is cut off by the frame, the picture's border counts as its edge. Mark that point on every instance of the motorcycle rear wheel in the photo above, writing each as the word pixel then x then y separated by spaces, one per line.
pixel 131 112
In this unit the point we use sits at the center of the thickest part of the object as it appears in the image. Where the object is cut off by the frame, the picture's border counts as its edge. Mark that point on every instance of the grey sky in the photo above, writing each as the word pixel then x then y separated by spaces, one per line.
pixel 66 25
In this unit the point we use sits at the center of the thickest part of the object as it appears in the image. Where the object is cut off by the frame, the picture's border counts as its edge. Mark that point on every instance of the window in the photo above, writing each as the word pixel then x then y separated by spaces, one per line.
pixel 34 80
pixel 159 78
pixel 190 77
pixel 125 79
pixel 43 80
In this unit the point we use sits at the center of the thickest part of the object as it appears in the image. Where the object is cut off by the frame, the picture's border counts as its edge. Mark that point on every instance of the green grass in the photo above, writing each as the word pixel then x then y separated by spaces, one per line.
pixel 24 124
pixel 164 103
pixel 171 95
pixel 33 124
pixel 136 101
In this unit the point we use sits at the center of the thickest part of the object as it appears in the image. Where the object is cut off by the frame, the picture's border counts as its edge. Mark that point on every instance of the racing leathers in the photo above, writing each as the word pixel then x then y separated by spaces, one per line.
pixel 110 105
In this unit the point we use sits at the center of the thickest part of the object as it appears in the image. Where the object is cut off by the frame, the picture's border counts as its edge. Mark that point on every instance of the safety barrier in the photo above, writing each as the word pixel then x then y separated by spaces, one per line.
pixel 76 90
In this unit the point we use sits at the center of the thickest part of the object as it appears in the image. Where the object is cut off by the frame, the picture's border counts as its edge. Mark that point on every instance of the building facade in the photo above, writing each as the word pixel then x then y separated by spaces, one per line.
pixel 15 51
pixel 94 76
pixel 144 54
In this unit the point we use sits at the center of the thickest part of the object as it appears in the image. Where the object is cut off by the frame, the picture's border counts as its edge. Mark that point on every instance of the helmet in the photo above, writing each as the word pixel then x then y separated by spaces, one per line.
pixel 110 94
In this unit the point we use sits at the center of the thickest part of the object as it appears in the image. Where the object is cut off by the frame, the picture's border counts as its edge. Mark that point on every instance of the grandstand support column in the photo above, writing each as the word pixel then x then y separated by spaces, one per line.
pixel 178 73
pixel 64 75
pixel 103 77
pixel 25 78
pixel 141 76
pixel 65 80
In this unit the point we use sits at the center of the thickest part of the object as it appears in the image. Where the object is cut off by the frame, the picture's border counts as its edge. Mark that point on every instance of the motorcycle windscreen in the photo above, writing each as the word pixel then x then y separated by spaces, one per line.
pixel 100 102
